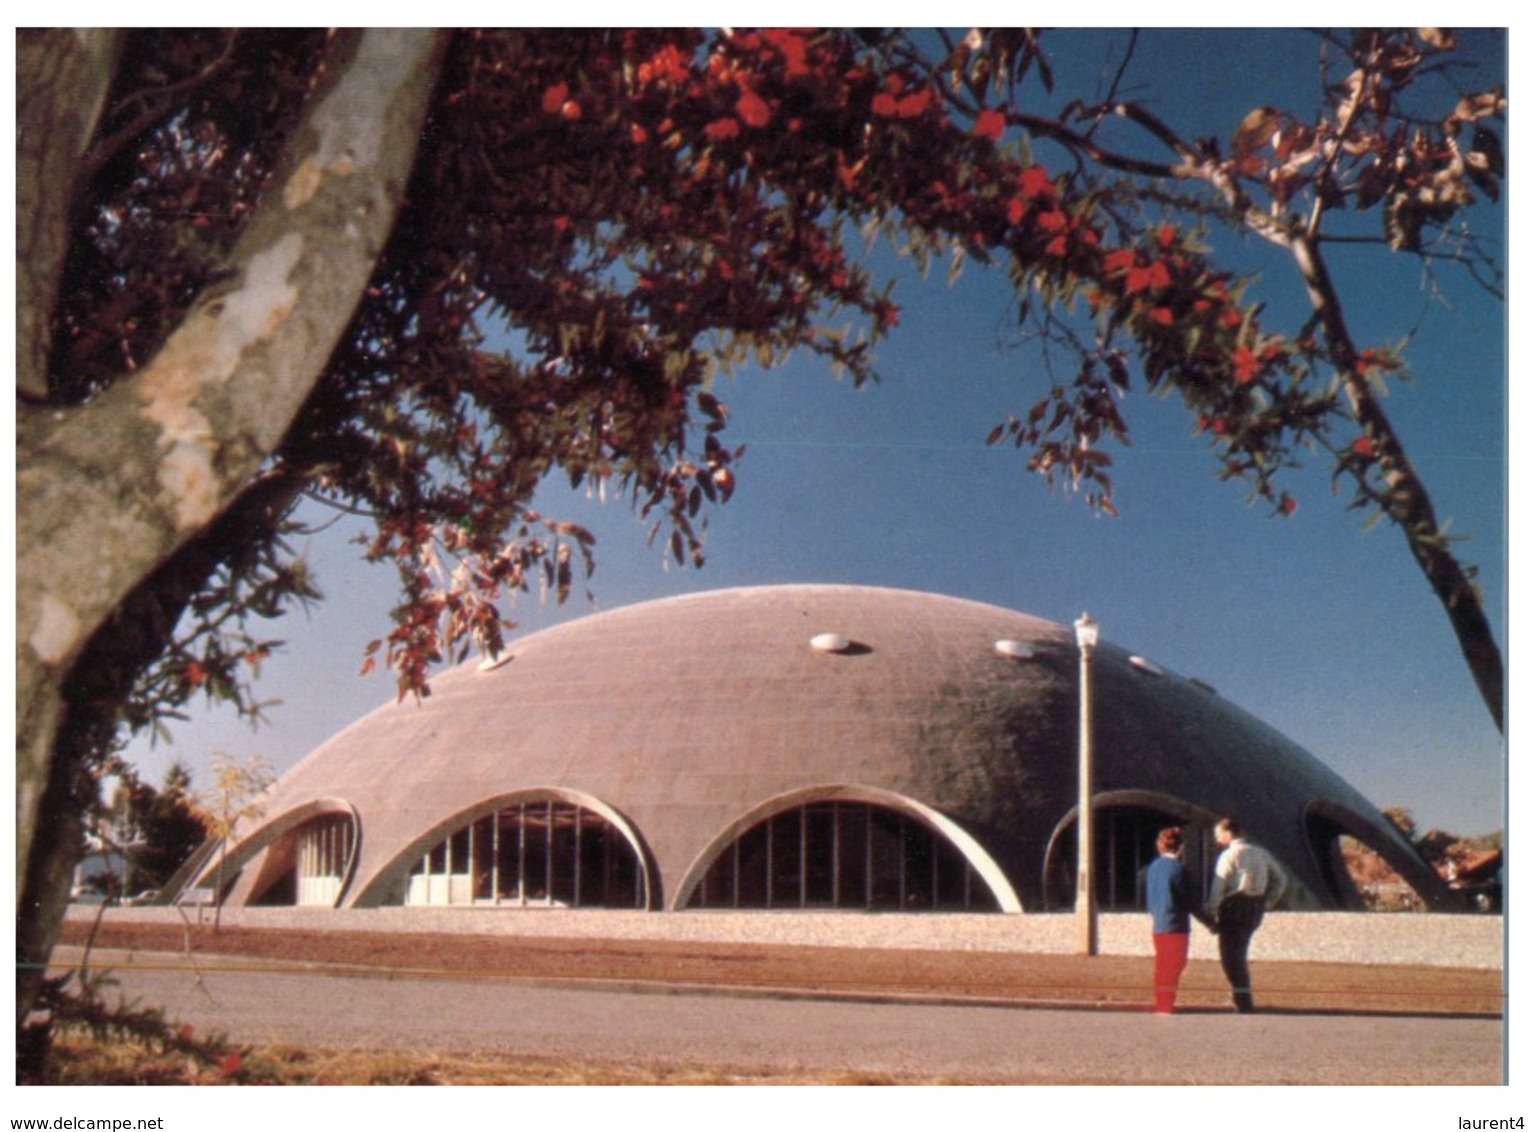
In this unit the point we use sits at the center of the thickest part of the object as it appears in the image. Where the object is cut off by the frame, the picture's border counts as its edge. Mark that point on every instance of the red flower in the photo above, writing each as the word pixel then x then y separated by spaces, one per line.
pixel 1244 365
pixel 1154 277
pixel 914 104
pixel 1287 505
pixel 753 110
pixel 1016 209
pixel 721 70
pixel 990 124
pixel 555 98
pixel 231 1064
pixel 1057 247
pixel 793 46
pixel 1036 182
pixel 1119 260
pixel 668 65
pixel 1364 446
pixel 722 129
pixel 1166 235
pixel 1162 316
pixel 1052 221
pixel 885 105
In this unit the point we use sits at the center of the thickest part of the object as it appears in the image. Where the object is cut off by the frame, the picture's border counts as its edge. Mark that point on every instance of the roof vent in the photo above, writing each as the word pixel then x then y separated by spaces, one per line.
pixel 1199 683
pixel 830 642
pixel 1013 650
pixel 493 662
pixel 1146 666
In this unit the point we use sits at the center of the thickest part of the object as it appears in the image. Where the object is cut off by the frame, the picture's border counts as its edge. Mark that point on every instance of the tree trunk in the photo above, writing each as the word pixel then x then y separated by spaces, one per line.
pixel 109 490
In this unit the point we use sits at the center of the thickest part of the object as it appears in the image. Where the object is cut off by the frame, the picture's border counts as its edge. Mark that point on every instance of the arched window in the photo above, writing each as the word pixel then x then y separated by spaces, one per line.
pixel 308 865
pixel 842 854
pixel 326 846
pixel 1125 843
pixel 544 853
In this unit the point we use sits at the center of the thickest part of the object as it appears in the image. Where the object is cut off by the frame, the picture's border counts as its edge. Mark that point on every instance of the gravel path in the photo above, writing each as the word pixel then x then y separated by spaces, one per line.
pixel 1341 937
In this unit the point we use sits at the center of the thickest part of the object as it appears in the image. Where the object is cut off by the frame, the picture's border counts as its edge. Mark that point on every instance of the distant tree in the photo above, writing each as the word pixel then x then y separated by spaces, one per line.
pixel 258 266
pixel 1436 846
pixel 235 797
pixel 159 829
pixel 1402 817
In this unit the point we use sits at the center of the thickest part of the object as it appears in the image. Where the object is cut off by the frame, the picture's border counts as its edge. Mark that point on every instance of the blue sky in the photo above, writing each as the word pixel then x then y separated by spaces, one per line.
pixel 1324 630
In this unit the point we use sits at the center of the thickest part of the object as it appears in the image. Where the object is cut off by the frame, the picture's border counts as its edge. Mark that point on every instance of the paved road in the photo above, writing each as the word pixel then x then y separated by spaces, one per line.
pixel 970 1044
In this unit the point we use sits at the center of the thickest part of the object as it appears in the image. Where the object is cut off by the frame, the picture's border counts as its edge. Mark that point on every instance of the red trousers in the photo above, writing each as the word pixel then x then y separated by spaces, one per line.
pixel 1171 952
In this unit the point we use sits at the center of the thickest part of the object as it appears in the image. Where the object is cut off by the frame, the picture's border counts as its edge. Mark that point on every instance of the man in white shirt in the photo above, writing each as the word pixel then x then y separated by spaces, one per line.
pixel 1248 881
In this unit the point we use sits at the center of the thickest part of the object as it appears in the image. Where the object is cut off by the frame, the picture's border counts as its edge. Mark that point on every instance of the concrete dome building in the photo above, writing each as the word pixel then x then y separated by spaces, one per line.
pixel 789 747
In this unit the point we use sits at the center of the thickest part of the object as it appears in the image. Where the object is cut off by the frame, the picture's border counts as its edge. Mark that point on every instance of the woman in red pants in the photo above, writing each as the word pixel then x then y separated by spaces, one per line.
pixel 1172 898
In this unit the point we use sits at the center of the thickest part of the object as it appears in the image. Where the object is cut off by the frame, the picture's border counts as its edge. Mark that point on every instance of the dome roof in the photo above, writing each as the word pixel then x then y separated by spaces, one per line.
pixel 684 720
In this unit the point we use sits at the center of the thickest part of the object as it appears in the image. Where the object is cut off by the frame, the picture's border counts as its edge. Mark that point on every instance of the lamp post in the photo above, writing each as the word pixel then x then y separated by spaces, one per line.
pixel 1087 912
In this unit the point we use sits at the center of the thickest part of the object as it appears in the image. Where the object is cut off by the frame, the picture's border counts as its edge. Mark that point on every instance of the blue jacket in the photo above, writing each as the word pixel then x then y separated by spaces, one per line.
pixel 1171 895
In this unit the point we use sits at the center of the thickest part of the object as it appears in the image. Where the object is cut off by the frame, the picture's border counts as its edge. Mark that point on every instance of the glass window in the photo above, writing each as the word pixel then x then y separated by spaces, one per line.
pixel 545 854
pixel 852 855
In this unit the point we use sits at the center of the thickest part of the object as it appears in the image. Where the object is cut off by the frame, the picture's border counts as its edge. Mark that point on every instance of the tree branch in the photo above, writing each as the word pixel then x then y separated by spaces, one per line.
pixel 65 76
pixel 1406 501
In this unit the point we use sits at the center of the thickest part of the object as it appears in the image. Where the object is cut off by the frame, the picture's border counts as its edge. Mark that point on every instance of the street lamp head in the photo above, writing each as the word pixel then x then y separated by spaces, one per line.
pixel 1087 632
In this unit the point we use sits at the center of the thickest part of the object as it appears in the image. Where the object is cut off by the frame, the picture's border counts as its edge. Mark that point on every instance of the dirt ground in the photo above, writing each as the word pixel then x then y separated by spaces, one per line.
pixel 1102 982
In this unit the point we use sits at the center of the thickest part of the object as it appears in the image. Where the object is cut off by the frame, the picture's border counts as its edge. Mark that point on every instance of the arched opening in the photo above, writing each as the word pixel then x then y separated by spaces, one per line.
pixel 540 852
pixel 1125 829
pixel 848 851
pixel 1374 885
pixel 1363 869
pixel 309 865
pixel 305 856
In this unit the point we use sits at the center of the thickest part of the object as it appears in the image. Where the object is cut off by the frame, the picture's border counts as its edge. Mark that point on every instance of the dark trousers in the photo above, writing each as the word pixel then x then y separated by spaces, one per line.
pixel 1236 921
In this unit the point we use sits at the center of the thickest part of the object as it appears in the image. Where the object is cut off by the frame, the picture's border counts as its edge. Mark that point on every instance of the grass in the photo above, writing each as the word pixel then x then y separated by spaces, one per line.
pixel 82 1060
